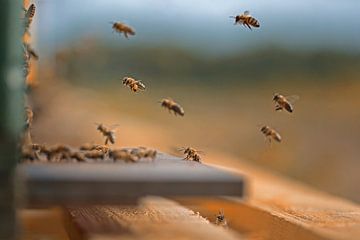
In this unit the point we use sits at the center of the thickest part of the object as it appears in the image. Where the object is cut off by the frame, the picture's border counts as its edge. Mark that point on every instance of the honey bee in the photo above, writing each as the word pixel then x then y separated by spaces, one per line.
pixel 29 14
pixel 246 19
pixel 220 219
pixel 270 133
pixel 124 155
pixel 134 85
pixel 90 147
pixel 284 102
pixel 171 105
pixel 191 154
pixel 143 152
pixel 107 133
pixel 27 153
pixel 79 156
pixel 31 52
pixel 58 152
pixel 95 154
pixel 122 28
pixel 29 117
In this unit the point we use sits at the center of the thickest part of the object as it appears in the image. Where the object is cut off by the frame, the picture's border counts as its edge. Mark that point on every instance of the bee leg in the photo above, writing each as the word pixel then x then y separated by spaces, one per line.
pixel 278 108
pixel 126 35
pixel 106 141
pixel 248 26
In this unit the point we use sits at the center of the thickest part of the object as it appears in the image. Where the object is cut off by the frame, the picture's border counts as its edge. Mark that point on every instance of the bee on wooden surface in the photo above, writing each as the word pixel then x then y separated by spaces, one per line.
pixel 191 154
pixel 284 102
pixel 90 147
pixel 246 19
pixel 123 28
pixel 27 153
pixel 29 117
pixel 107 133
pixel 95 154
pixel 59 152
pixel 220 219
pixel 172 106
pixel 29 14
pixel 31 52
pixel 143 152
pixel 134 85
pixel 123 155
pixel 270 133
pixel 79 156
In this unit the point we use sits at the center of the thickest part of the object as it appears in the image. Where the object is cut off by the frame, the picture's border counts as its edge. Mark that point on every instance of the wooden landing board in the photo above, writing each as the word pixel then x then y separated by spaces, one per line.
pixel 49 184
pixel 154 218
pixel 278 208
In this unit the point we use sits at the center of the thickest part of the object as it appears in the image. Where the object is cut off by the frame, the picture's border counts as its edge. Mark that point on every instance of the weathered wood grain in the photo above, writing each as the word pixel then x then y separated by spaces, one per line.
pixel 278 208
pixel 114 183
pixel 154 218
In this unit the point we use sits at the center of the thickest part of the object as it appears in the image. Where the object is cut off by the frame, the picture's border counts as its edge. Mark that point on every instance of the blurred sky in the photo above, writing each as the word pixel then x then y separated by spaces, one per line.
pixel 204 24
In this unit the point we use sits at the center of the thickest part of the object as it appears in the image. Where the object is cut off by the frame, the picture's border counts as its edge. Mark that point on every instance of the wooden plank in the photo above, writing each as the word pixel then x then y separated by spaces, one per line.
pixel 114 183
pixel 277 208
pixel 41 224
pixel 154 218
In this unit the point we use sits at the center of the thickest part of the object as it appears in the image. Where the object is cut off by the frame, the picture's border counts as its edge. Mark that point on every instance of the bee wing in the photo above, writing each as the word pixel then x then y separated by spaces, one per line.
pixel 247 13
pixel 114 127
pixel 292 98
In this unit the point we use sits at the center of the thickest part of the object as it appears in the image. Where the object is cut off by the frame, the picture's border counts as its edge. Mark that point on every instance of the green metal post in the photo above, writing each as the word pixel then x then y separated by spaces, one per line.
pixel 11 109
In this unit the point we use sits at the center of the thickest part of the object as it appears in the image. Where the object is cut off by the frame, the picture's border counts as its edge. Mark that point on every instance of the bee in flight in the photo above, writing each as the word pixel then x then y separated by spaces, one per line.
pixel 122 28
pixel 29 14
pixel 270 133
pixel 284 102
pixel 171 105
pixel 134 85
pixel 246 19
pixel 107 133
pixel 220 219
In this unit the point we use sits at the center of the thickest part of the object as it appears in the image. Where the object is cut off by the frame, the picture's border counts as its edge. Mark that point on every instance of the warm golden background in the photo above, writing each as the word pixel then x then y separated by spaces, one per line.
pixel 223 75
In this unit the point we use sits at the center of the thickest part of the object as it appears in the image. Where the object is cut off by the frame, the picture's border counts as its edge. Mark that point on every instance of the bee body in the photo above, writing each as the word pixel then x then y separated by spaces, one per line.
pixel 107 133
pixel 220 219
pixel 29 14
pixel 134 85
pixel 123 28
pixel 191 154
pixel 271 133
pixel 247 20
pixel 172 106
pixel 282 103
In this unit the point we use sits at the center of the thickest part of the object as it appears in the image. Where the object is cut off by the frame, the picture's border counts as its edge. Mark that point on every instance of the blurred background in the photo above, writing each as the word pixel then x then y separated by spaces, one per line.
pixel 223 75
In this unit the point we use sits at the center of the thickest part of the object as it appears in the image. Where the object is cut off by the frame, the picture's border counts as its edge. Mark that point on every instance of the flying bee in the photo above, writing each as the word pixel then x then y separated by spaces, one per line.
pixel 107 133
pixel 246 19
pixel 134 85
pixel 284 102
pixel 220 219
pixel 171 105
pixel 124 155
pixel 123 28
pixel 29 14
pixel 270 133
